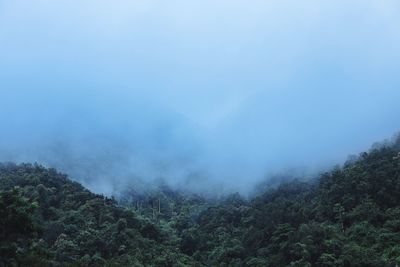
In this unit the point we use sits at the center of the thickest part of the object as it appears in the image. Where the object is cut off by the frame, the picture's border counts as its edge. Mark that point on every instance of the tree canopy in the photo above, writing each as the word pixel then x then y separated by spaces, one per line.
pixel 349 216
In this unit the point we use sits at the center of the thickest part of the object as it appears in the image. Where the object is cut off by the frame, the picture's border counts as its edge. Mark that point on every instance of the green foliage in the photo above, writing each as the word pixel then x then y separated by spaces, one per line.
pixel 52 221
pixel 347 217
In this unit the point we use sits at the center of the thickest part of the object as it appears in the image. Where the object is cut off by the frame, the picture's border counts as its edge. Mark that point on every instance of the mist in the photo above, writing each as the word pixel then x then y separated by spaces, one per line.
pixel 212 96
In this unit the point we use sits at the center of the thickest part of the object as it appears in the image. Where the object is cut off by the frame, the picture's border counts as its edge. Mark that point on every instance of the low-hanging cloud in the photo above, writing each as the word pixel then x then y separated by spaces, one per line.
pixel 211 95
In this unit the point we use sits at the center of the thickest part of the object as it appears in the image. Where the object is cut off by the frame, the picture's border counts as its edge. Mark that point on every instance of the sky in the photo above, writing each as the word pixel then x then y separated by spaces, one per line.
pixel 211 95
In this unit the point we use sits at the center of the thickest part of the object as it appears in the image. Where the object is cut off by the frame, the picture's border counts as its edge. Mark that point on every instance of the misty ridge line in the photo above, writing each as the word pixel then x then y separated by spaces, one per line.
pixel 111 174
pixel 106 144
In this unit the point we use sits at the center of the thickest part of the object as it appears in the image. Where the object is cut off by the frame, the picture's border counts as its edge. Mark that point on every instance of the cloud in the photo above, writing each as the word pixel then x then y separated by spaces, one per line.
pixel 202 93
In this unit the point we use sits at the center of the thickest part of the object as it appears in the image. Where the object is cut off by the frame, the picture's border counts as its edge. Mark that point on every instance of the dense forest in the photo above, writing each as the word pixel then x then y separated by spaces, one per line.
pixel 349 216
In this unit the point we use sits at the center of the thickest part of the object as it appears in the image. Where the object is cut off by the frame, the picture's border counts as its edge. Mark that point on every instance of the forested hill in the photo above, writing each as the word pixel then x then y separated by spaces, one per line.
pixel 349 216
pixel 48 220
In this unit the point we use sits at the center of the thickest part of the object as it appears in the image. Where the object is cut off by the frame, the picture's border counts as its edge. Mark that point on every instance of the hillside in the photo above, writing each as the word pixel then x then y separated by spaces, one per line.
pixel 51 221
pixel 349 216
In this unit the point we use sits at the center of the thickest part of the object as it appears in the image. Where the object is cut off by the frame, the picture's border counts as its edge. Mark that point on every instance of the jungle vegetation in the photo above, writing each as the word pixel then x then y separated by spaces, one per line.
pixel 348 216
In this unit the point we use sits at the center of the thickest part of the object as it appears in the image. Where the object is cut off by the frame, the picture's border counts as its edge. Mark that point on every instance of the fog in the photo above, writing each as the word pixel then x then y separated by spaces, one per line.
pixel 212 96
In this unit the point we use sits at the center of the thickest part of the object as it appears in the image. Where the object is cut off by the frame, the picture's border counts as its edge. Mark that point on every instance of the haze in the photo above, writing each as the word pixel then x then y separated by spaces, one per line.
pixel 211 95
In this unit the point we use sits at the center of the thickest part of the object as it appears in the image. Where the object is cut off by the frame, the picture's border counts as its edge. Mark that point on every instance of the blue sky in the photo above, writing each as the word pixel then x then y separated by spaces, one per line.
pixel 217 91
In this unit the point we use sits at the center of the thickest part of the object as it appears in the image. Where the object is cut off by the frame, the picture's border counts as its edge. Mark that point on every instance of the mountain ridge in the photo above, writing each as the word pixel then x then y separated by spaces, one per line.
pixel 349 216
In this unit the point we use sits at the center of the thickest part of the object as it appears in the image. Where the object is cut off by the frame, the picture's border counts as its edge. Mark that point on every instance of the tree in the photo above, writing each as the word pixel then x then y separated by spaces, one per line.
pixel 16 224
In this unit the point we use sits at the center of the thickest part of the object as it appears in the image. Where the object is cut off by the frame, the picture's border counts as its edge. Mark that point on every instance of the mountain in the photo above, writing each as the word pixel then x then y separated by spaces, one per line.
pixel 49 220
pixel 349 216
